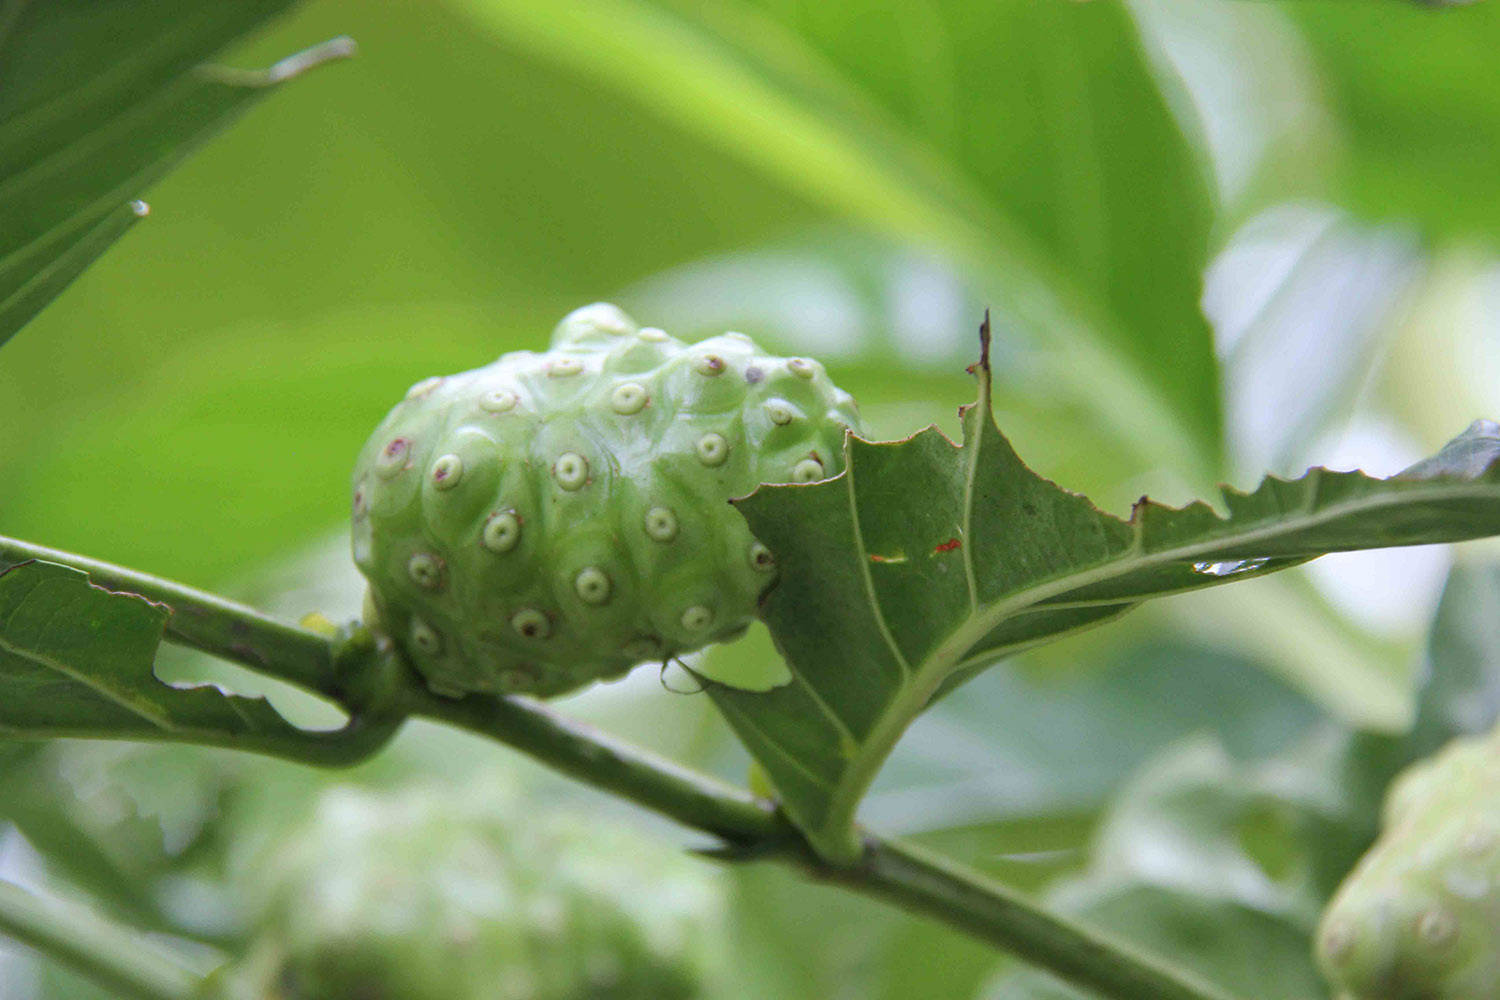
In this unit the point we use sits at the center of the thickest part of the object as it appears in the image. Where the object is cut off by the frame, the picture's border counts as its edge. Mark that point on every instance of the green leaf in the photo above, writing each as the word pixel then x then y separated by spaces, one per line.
pixel 1415 95
pixel 77 660
pixel 1461 692
pixel 1223 864
pixel 1065 205
pixel 925 562
pixel 98 101
pixel 1019 744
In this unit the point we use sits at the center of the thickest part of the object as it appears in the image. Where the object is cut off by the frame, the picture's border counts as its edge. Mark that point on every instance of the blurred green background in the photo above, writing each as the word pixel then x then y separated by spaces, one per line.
pixel 1219 238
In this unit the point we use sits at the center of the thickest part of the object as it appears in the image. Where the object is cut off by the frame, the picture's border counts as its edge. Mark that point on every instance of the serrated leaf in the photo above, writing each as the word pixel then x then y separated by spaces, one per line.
pixel 926 561
pixel 97 101
pixel 77 660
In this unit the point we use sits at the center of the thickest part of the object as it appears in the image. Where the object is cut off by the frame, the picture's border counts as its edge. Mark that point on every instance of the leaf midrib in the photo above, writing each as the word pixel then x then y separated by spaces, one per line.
pixel 946 656
pixel 137 709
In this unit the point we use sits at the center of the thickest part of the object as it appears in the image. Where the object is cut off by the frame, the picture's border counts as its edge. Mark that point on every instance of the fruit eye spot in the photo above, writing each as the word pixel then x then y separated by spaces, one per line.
pixel 499 401
pixel 592 585
pixel 424 387
pixel 661 524
pixel 571 470
pixel 780 412
pixel 801 367
pixel 563 367
pixel 628 398
pixel 425 570
pixel 392 457
pixel 761 558
pixel 807 471
pixel 361 505
pixel 425 638
pixel 601 318
pixel 447 471
pixel 709 364
pixel 697 618
pixel 1338 941
pixel 712 449
pixel 1478 842
pixel 1436 927
pixel 501 532
pixel 530 623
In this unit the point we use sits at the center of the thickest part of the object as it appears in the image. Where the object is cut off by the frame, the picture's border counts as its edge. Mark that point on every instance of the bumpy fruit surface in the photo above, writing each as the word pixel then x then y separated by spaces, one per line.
pixel 1419 917
pixel 554 519
pixel 476 893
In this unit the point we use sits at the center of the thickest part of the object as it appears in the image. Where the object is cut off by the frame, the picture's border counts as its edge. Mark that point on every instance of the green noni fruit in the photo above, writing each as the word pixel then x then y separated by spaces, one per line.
pixel 1419 917
pixel 477 893
pixel 554 519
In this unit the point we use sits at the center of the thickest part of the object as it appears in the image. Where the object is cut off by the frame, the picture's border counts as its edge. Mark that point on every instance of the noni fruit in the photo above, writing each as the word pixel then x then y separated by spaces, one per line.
pixel 476 893
pixel 1419 917
pixel 553 519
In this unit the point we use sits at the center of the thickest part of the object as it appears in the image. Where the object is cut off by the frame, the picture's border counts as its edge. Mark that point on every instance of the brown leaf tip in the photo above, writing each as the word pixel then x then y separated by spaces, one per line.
pixel 984 346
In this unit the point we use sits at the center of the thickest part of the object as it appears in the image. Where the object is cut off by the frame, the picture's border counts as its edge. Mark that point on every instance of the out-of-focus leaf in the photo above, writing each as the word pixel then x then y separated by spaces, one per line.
pixel 1299 300
pixel 1196 842
pixel 97 101
pixel 1225 865
pixel 76 660
pixel 1066 206
pixel 1239 77
pixel 1416 94
pixel 1016 745
pixel 841 294
pixel 1461 693
pixel 34 275
pixel 925 562
pixel 116 870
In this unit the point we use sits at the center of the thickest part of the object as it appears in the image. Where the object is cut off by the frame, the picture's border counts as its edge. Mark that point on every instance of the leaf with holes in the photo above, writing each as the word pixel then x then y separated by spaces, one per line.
pixel 76 661
pixel 926 562
pixel 97 102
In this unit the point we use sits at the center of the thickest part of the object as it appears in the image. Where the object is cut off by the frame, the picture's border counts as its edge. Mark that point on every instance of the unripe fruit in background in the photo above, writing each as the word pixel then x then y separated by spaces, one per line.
pixel 477 893
pixel 555 518
pixel 1419 917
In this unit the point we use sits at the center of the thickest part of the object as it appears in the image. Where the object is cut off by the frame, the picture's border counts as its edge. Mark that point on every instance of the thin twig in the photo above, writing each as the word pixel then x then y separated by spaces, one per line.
pixel 583 752
pixel 115 957
pixel 206 621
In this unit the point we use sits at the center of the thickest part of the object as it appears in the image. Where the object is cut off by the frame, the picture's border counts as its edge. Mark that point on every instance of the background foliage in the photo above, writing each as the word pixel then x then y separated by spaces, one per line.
pixel 1218 237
